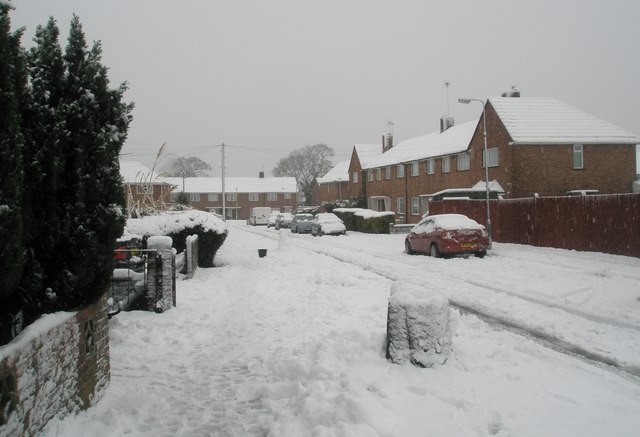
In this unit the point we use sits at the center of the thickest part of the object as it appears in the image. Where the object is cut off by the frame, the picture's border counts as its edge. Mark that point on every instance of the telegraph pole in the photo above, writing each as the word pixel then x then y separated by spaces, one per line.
pixel 224 206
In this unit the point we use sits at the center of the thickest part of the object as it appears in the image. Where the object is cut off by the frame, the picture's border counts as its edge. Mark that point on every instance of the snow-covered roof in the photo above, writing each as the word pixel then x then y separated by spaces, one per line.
pixel 340 172
pixel 134 172
pixel 456 139
pixel 235 184
pixel 544 120
pixel 367 152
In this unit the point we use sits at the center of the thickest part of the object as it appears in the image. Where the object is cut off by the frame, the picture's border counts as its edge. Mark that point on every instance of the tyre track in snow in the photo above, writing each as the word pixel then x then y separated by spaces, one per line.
pixel 388 267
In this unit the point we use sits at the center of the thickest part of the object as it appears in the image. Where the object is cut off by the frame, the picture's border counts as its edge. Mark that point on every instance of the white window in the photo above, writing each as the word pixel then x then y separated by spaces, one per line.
pixel 415 205
pixel 212 197
pixel 463 161
pixel 430 166
pixel 493 157
pixel 400 170
pixel 354 177
pixel 287 196
pixel 388 172
pixel 378 173
pixel 272 197
pixel 194 197
pixel 578 157
pixel 231 197
pixel 415 168
pixel 370 175
pixel 401 205
pixel 254 197
pixel 446 164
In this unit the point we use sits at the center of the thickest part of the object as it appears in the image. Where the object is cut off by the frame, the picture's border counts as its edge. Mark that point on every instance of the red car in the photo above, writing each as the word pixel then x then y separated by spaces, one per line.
pixel 447 234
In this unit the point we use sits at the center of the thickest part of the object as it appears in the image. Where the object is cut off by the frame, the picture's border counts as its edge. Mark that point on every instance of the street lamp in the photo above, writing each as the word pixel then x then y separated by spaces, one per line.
pixel 486 160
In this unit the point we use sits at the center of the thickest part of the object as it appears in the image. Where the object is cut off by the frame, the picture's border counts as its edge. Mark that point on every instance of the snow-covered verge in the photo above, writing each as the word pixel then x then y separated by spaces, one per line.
pixel 365 213
pixel 293 344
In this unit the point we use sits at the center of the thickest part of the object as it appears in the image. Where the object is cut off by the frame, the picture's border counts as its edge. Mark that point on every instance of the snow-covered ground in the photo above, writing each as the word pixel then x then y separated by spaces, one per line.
pixel 293 345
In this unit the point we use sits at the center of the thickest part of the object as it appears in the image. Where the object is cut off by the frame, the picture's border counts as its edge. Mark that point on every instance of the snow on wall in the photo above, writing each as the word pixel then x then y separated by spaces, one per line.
pixel 55 367
pixel 418 329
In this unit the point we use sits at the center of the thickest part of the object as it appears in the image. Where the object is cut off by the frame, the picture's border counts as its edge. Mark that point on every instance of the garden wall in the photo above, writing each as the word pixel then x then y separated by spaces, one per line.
pixel 606 223
pixel 58 365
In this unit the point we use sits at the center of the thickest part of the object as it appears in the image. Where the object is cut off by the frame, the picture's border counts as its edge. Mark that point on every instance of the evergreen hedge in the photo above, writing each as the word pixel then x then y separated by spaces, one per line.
pixel 370 225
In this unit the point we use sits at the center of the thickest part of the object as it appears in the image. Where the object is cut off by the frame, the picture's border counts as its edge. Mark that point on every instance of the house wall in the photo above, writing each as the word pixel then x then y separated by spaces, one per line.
pixel 356 189
pixel 159 194
pixel 241 209
pixel 330 192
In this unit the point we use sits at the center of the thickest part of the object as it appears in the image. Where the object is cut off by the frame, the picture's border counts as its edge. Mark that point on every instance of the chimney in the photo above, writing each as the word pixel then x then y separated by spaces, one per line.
pixel 261 175
pixel 446 121
pixel 513 92
pixel 387 142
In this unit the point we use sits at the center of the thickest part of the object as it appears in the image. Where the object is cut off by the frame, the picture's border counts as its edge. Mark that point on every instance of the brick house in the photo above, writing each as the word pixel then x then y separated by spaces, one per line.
pixel 334 185
pixel 535 146
pixel 143 187
pixel 241 193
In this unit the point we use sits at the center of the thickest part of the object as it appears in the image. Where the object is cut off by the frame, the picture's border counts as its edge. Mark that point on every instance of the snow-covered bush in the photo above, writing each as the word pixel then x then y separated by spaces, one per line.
pixel 210 228
pixel 418 329
pixel 366 220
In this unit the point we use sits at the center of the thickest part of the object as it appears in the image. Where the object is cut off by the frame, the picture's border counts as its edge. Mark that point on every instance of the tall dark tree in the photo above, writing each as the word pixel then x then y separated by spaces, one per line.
pixel 306 165
pixel 95 121
pixel 12 96
pixel 43 132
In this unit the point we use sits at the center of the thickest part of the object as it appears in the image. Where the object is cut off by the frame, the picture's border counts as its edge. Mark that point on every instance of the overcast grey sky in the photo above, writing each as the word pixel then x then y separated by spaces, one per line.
pixel 268 77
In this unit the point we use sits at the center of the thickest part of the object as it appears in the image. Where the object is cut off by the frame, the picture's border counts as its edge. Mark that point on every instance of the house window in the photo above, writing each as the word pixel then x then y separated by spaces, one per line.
pixel 493 157
pixel 232 197
pixel 430 166
pixel 400 170
pixel 415 205
pixel 446 164
pixel 272 197
pixel 415 168
pixel 370 175
pixel 578 156
pixel 401 205
pixel 463 161
pixel 254 197
pixel 144 189
pixel 194 197
pixel 388 172
pixel 212 197
pixel 378 174
pixel 354 177
pixel 287 196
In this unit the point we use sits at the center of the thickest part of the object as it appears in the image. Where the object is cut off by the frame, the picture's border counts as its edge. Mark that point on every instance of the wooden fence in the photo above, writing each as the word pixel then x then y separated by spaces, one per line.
pixel 605 223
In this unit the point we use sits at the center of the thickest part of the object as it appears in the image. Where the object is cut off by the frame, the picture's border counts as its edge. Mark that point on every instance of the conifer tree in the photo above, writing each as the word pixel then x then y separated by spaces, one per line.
pixel 12 96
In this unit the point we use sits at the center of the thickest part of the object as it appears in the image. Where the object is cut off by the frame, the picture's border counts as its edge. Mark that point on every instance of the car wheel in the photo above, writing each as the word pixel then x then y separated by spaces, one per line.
pixel 434 252
pixel 481 254
pixel 407 248
pixel 320 234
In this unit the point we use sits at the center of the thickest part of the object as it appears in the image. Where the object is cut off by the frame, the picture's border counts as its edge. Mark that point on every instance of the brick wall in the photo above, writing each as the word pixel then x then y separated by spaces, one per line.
pixel 330 192
pixel 56 366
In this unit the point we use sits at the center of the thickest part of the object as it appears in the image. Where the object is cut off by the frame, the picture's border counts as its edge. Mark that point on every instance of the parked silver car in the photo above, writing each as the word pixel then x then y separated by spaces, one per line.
pixel 327 224
pixel 301 223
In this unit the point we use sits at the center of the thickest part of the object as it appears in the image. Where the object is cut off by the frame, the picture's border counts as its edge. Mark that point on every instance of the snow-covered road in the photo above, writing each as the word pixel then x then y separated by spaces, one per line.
pixel 293 345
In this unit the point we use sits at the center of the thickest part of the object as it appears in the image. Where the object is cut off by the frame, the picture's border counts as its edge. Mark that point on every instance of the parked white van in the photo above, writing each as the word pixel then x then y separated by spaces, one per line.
pixel 259 216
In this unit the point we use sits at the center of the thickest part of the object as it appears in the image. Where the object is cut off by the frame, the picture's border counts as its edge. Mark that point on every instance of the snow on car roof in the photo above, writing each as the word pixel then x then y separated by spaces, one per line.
pixel 455 221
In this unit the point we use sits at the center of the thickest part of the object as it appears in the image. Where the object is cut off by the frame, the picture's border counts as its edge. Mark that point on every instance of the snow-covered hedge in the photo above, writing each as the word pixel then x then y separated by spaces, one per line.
pixel 366 220
pixel 210 228
pixel 418 329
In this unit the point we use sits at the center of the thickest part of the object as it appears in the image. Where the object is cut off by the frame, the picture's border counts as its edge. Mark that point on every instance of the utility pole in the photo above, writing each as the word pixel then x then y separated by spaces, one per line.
pixel 224 206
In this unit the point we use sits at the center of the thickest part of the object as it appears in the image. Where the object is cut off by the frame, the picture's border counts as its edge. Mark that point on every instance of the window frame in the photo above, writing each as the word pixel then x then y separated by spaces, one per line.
pixel 232 197
pixel 491 154
pixel 401 206
pixel 430 166
pixel 354 177
pixel 254 197
pixel 194 197
pixel 387 172
pixel 415 169
pixel 399 171
pixel 415 206
pixel 445 168
pixel 272 197
pixel 212 197
pixel 577 152
pixel 466 159
pixel 378 173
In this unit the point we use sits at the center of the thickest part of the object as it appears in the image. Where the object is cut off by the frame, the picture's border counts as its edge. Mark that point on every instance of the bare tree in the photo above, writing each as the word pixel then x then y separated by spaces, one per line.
pixel 179 166
pixel 306 165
